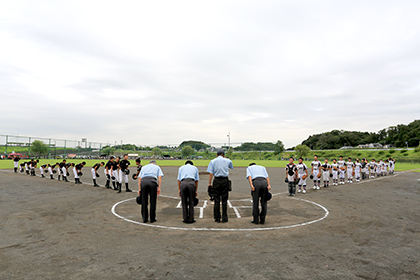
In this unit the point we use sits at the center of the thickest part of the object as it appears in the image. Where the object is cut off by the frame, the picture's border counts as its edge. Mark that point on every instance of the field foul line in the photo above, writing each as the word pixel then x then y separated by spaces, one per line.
pixel 377 179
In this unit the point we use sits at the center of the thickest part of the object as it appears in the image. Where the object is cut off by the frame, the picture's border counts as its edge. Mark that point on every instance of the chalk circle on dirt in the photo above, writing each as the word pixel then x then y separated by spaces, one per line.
pixel 324 214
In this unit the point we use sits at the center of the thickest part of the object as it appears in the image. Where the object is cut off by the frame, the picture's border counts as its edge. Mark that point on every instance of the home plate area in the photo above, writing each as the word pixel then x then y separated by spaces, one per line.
pixel 283 212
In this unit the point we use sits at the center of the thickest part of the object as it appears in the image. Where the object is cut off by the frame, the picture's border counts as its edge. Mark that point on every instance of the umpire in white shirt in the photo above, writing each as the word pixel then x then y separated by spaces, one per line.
pixel 260 184
pixel 150 181
pixel 187 185
pixel 219 169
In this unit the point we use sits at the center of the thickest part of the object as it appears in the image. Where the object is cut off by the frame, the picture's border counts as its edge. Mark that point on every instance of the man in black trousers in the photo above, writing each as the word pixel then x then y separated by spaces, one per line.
pixel 150 181
pixel 260 184
pixel 219 169
pixel 187 185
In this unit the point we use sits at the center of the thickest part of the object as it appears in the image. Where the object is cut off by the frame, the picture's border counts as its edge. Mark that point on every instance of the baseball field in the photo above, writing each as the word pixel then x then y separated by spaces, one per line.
pixel 56 230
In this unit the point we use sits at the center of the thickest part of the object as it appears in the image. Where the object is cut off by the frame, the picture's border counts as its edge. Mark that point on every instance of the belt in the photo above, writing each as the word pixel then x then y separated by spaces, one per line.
pixel 221 177
pixel 187 179
pixel 259 179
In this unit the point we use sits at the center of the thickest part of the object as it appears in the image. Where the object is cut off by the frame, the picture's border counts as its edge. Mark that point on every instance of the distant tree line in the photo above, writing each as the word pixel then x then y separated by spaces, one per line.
pixel 260 146
pixel 394 135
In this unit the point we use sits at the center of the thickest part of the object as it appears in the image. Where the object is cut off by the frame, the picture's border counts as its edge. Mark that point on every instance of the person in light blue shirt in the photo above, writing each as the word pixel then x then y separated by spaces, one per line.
pixel 219 169
pixel 187 185
pixel 150 181
pixel 260 184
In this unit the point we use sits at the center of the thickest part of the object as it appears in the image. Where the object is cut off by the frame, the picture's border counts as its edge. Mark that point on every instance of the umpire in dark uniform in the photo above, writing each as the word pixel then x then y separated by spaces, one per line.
pixel 150 181
pixel 219 169
pixel 260 184
pixel 187 185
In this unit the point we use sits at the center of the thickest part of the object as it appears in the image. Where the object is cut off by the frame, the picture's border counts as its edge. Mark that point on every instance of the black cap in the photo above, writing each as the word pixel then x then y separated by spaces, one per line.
pixel 220 152
pixel 138 200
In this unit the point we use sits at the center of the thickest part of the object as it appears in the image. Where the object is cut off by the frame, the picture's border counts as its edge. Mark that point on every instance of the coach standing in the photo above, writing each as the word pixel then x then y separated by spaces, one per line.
pixel 260 184
pixel 150 181
pixel 187 185
pixel 219 169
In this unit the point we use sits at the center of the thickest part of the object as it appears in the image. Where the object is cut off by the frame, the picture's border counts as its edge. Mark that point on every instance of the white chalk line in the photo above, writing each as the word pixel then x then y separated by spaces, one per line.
pixel 202 210
pixel 238 215
pixel 224 229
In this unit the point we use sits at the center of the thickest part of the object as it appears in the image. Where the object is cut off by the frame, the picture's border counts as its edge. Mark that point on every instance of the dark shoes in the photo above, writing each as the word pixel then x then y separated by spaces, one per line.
pixel 189 222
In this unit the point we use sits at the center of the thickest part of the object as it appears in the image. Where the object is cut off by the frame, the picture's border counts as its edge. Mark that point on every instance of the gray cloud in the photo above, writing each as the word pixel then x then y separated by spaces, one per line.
pixel 163 72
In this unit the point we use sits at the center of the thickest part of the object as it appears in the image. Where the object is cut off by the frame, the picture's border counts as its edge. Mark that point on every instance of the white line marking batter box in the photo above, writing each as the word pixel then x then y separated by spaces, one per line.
pixel 236 206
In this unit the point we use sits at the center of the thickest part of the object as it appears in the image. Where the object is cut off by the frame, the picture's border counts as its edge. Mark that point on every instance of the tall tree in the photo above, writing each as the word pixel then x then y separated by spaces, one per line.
pixel 187 151
pixel 302 150
pixel 38 147
pixel 156 151
pixel 278 148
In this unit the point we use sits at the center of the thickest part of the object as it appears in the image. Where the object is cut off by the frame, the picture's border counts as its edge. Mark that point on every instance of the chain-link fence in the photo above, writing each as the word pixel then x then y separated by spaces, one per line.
pixel 26 146
pixel 40 147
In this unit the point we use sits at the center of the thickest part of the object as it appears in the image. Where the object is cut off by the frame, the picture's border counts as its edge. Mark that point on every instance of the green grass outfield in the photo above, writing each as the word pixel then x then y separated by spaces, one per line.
pixel 8 164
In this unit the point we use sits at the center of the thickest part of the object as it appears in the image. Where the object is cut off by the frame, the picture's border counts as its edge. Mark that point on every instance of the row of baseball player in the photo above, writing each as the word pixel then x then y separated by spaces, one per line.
pixel 115 171
pixel 296 174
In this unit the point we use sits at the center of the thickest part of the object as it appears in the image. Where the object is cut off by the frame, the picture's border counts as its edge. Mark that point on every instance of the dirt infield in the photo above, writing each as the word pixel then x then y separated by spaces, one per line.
pixel 57 230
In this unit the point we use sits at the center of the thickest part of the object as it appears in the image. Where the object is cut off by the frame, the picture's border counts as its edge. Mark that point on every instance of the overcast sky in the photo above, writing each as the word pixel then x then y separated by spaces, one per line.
pixel 160 72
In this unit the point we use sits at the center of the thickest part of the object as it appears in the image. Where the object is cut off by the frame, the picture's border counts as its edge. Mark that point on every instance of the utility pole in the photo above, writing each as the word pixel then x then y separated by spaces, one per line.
pixel 228 136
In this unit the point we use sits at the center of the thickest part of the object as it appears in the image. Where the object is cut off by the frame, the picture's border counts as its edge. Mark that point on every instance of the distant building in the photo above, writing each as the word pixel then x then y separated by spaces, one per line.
pixel 346 148
pixel 371 146
pixel 375 145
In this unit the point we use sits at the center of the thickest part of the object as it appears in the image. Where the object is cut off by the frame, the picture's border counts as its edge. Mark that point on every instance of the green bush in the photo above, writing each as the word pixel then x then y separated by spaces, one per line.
pixel 392 151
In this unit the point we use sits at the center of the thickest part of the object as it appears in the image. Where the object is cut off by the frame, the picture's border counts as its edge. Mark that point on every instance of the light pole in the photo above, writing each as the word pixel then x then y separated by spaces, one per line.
pixel 228 136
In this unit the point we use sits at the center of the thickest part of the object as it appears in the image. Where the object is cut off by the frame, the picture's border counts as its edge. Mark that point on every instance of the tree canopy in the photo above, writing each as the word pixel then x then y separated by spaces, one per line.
pixel 38 147
pixel 260 146
pixel 302 150
pixel 187 151
pixel 278 148
pixel 394 135
pixel 196 145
